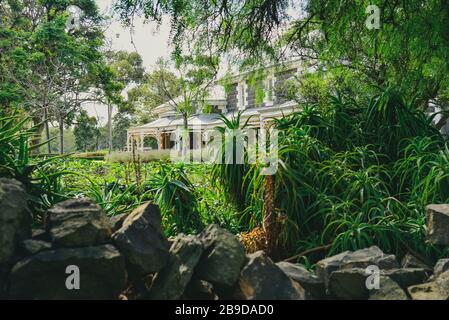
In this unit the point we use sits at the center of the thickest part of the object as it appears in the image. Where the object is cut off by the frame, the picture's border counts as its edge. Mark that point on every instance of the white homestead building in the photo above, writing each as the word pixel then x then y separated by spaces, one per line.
pixel 241 95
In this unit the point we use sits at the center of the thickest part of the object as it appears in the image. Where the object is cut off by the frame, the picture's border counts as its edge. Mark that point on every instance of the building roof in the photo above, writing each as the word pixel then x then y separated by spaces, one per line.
pixel 213 119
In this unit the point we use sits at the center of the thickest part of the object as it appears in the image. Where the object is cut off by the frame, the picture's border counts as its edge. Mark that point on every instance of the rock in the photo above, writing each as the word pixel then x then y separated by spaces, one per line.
pixel 441 266
pixel 4 272
pixel 261 279
pixel 31 246
pixel 388 290
pixel 77 223
pixel 43 276
pixel 142 241
pixel 406 277
pixel 410 261
pixel 222 259
pixel 349 284
pixel 200 290
pixel 438 224
pixel 438 289
pixel 40 234
pixel 357 259
pixel 425 291
pixel 15 219
pixel 170 282
pixel 116 222
pixel 310 282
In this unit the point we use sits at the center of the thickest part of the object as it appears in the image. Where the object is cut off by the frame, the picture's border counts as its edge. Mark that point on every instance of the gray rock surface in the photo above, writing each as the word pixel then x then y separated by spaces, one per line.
pixel 310 282
pixel 261 279
pixel 349 284
pixel 15 219
pixel 388 290
pixel 31 246
pixel 438 289
pixel 356 259
pixel 171 282
pixel 77 223
pixel 223 257
pixel 441 266
pixel 43 276
pixel 438 224
pixel 142 241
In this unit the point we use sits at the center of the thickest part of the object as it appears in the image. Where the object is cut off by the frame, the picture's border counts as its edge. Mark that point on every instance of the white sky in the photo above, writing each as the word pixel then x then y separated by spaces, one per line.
pixel 150 41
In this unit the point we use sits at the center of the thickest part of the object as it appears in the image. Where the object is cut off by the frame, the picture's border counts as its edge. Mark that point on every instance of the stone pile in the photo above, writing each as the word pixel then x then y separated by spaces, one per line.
pixel 112 255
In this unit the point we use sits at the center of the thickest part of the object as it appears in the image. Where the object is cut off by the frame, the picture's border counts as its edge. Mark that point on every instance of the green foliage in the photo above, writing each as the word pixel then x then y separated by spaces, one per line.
pixel 356 178
pixel 230 174
pixel 40 178
pixel 174 193
pixel 86 132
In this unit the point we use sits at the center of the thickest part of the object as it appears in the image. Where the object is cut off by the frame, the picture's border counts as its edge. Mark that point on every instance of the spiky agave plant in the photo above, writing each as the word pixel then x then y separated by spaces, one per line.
pixel 41 180
pixel 174 194
pixel 229 175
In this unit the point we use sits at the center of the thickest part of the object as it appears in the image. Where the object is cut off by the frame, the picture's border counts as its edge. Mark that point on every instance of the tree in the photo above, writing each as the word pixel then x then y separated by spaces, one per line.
pixel 157 87
pixel 86 132
pixel 128 70
pixel 410 50
pixel 121 123
pixel 48 65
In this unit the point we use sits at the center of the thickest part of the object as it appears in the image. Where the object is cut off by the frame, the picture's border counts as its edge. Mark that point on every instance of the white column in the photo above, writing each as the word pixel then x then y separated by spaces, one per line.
pixel 142 138
pixel 127 147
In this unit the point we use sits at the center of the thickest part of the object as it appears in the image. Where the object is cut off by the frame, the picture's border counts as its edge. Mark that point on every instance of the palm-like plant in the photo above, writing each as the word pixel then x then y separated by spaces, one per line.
pixel 174 194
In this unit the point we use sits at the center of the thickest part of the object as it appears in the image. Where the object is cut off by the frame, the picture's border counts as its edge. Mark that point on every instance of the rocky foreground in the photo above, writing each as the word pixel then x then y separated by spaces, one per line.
pixel 82 254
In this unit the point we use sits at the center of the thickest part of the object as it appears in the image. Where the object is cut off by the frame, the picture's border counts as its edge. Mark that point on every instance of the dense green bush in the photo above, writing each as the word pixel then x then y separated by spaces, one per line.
pixel 356 176
pixel 41 179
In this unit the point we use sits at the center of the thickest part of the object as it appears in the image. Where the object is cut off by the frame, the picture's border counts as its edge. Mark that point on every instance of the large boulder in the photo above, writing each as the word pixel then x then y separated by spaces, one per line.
pixel 43 276
pixel 441 266
pixel 222 259
pixel 350 284
pixel 407 277
pixel 77 223
pixel 438 224
pixel 170 283
pixel 261 279
pixel 199 290
pixel 141 240
pixel 30 246
pixel 116 222
pixel 388 290
pixel 438 289
pixel 15 219
pixel 310 282
pixel 357 259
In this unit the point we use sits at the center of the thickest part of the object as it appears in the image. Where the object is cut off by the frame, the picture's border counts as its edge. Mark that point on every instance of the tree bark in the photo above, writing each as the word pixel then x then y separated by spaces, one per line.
pixel 270 221
pixel 47 129
pixel 110 127
pixel 36 137
pixel 61 135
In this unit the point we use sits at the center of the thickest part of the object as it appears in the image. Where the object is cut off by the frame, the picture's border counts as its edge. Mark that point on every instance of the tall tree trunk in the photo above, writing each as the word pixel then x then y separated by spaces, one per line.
pixel 270 221
pixel 61 135
pixel 47 129
pixel 185 136
pixel 110 127
pixel 37 135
